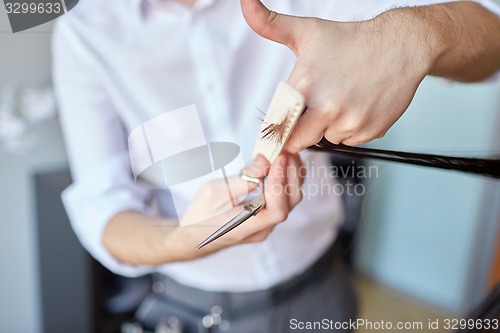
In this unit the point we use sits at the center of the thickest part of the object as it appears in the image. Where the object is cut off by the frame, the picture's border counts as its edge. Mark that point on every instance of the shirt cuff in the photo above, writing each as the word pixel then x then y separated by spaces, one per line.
pixel 94 199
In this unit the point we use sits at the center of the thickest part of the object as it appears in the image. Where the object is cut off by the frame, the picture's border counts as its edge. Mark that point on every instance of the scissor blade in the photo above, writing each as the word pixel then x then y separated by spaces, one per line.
pixel 233 223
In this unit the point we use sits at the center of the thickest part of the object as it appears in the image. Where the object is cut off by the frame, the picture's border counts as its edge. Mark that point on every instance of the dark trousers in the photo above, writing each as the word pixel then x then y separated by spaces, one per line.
pixel 318 300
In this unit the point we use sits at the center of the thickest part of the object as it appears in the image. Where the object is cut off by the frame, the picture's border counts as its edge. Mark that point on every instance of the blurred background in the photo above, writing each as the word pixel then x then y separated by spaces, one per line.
pixel 422 243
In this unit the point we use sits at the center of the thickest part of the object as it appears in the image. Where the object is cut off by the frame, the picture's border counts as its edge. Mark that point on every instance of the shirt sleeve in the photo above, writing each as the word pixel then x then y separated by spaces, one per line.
pixel 96 144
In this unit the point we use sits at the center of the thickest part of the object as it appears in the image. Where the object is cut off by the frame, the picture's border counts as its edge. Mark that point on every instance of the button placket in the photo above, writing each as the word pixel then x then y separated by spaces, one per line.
pixel 210 80
pixel 269 260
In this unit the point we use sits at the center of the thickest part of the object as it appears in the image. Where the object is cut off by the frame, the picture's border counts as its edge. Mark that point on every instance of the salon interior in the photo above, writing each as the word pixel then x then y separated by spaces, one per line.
pixel 422 244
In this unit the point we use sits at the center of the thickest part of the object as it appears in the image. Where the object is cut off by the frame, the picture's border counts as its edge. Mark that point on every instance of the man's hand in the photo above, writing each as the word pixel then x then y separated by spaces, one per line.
pixel 358 78
pixel 282 193
pixel 136 238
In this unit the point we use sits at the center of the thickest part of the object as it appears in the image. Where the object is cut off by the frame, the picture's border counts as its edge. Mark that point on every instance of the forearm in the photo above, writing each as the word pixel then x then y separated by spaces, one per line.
pixel 461 40
pixel 137 239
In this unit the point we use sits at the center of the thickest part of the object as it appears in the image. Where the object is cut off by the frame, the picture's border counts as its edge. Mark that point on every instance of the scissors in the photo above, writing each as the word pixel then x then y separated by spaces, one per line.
pixel 249 210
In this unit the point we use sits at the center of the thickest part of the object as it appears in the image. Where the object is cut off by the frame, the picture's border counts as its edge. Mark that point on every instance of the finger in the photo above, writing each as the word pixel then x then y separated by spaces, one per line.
pixel 283 29
pixel 308 131
pixel 335 135
pixel 354 141
pixel 227 192
pixel 259 167
pixel 276 208
pixel 295 177
pixel 238 186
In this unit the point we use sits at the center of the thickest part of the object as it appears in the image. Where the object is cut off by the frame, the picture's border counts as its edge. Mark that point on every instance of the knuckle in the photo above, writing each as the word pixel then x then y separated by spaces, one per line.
pixel 368 136
pixel 332 138
pixel 332 104
pixel 380 134
pixel 296 199
pixel 302 172
pixel 300 196
pixel 278 187
pixel 352 123
pixel 280 215
pixel 362 141
pixel 304 84
pixel 330 110
pixel 355 141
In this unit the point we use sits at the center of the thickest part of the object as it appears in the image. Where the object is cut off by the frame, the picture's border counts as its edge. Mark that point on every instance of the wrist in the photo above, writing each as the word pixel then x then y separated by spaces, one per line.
pixel 156 240
pixel 436 33
pixel 172 244
pixel 179 244
pixel 418 34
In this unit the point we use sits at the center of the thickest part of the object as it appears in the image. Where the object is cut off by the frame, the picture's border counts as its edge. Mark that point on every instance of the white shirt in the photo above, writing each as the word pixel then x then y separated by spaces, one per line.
pixel 118 63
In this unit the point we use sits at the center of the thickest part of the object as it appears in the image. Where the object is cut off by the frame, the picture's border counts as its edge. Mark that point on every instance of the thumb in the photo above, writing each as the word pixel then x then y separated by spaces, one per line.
pixel 283 29
pixel 259 168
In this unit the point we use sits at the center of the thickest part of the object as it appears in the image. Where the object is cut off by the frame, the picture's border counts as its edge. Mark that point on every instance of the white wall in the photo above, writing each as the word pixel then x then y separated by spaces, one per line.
pixel 421 224
pixel 24 59
pixel 425 231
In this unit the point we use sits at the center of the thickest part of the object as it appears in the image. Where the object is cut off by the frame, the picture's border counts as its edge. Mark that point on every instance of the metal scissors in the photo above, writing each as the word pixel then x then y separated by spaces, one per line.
pixel 249 210
pixel 284 111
